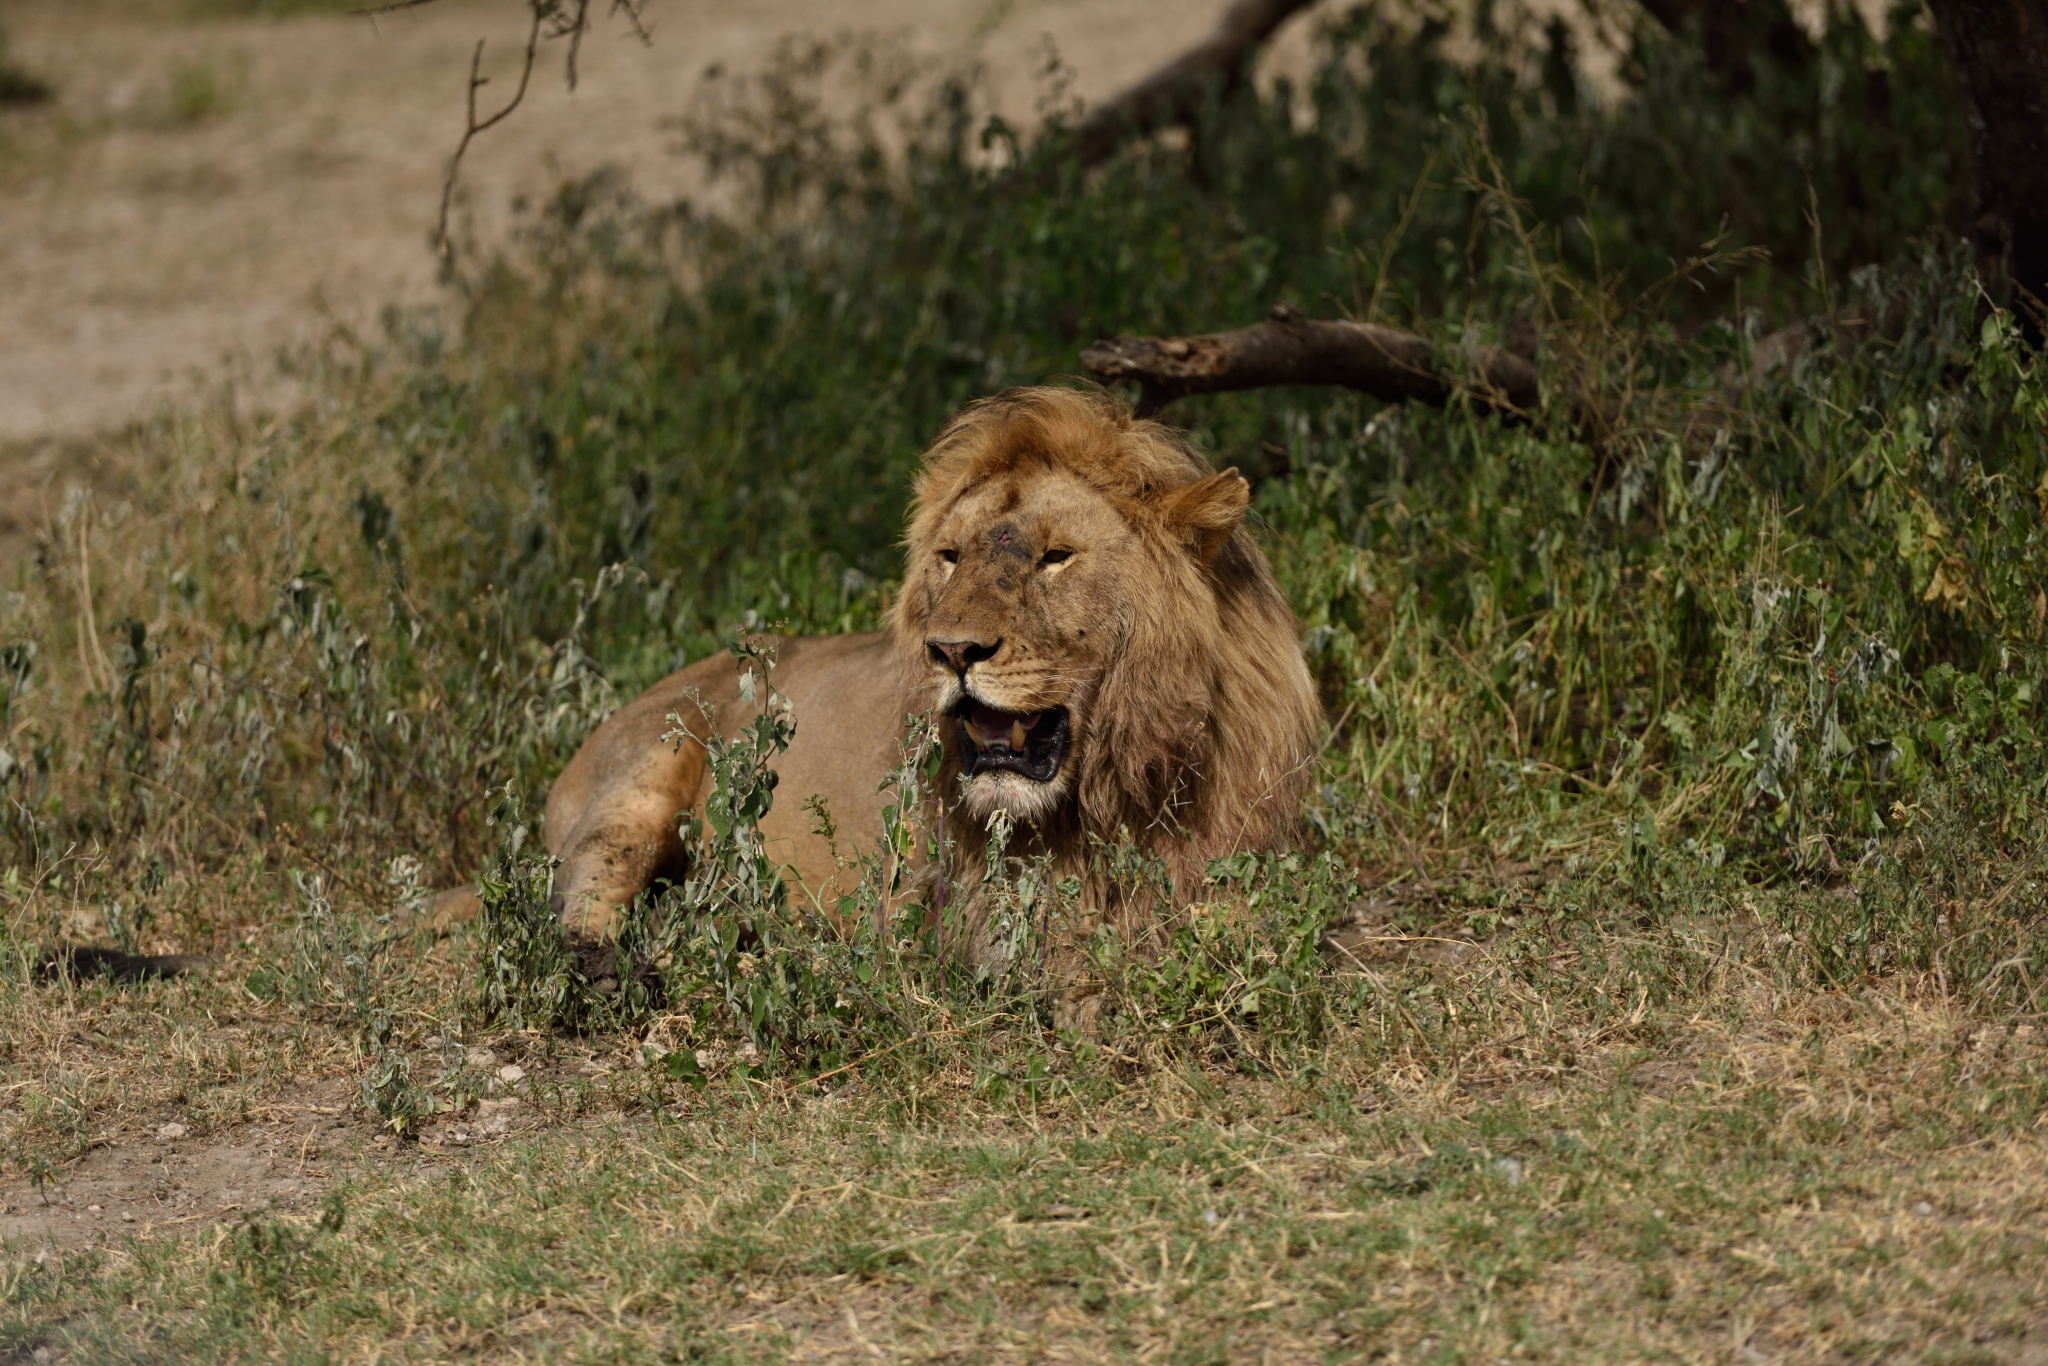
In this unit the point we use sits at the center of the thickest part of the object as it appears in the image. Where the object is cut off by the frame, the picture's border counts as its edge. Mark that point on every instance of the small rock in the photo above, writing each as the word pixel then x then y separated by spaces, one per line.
pixel 1923 1209
pixel 1209 1218
pixel 95 1209
pixel 432 1041
pixel 494 1117
pixel 483 1059
pixel 43 1354
pixel 1511 1169
pixel 511 1072
pixel 170 1133
pixel 1656 1214
pixel 127 1217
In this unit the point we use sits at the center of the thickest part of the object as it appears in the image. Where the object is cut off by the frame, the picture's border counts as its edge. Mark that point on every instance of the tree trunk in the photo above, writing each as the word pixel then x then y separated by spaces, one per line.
pixel 1174 93
pixel 2000 48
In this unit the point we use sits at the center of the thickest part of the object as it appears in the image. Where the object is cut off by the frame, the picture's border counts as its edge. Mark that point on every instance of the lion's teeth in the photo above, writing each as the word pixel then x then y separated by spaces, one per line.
pixel 1017 735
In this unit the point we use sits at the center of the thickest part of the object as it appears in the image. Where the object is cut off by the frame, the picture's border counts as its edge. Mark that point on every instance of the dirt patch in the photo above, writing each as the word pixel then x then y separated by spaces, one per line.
pixel 168 1181
pixel 202 193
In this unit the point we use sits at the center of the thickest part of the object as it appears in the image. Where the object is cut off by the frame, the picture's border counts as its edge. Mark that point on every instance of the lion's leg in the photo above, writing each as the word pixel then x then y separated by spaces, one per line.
pixel 625 838
pixel 456 906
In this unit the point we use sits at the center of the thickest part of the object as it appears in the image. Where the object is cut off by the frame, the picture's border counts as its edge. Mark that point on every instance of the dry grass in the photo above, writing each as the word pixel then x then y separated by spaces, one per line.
pixel 1755 1170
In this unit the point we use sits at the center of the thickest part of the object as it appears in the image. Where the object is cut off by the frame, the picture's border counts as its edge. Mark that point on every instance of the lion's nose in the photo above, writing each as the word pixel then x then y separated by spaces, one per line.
pixel 960 655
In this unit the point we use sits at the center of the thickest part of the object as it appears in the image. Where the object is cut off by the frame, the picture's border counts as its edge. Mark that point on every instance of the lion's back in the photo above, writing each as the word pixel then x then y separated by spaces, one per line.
pixel 847 692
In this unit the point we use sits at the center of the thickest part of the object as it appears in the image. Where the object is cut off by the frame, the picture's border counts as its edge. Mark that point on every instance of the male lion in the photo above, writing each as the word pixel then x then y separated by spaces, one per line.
pixel 1104 644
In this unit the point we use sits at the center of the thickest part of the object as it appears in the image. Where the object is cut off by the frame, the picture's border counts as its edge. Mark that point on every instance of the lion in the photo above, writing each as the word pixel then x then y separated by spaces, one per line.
pixel 1100 641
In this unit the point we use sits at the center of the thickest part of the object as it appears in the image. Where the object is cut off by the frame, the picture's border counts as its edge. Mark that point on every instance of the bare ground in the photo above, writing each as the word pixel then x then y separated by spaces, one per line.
pixel 1915 1245
pixel 204 191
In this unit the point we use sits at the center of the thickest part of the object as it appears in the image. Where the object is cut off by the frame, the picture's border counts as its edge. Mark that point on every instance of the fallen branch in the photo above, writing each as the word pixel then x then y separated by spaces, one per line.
pixel 1174 93
pixel 1288 348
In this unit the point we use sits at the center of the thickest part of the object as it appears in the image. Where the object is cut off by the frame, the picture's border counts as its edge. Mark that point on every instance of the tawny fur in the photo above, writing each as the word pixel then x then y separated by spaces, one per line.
pixel 1195 731
pixel 1161 632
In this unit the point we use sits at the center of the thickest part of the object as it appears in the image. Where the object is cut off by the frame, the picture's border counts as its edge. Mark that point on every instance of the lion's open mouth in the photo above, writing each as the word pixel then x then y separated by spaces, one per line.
pixel 1029 744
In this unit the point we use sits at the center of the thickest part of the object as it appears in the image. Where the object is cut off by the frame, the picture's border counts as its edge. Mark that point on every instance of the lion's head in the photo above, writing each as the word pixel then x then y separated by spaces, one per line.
pixel 1103 640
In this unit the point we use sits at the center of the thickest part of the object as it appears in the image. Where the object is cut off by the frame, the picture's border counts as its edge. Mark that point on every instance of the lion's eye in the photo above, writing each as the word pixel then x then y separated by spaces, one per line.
pixel 1054 557
pixel 950 556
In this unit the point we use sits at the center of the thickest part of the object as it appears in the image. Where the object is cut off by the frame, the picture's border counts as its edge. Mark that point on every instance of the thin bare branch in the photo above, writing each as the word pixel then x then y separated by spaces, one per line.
pixel 477 81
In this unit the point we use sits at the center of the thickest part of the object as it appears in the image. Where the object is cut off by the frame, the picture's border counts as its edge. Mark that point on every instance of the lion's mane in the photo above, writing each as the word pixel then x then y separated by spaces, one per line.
pixel 1199 739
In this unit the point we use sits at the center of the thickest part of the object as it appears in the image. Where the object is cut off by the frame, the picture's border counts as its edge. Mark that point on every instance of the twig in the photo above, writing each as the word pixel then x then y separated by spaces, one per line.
pixel 570 19
pixel 1337 726
pixel 188 1218
pixel 240 836
pixel 576 28
pixel 879 1053
pixel 476 82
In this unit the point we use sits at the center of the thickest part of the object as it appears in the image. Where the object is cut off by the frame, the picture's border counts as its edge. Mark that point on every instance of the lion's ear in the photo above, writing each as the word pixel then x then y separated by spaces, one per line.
pixel 1208 510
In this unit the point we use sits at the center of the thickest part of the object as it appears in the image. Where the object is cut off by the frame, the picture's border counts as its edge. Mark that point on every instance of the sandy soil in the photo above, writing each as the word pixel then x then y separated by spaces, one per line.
pixel 206 190
pixel 161 1172
pixel 142 1185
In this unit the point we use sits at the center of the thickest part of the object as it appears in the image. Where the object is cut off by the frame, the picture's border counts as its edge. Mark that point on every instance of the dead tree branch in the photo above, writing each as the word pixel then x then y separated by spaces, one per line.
pixel 552 19
pixel 1288 348
pixel 477 81
pixel 1174 93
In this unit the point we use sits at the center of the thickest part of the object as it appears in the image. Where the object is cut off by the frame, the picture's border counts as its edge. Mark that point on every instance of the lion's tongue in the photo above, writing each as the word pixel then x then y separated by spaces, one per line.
pixel 1005 728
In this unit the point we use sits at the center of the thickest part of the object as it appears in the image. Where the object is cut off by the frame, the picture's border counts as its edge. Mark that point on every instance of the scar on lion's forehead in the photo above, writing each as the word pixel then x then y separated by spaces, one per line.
pixel 1006 539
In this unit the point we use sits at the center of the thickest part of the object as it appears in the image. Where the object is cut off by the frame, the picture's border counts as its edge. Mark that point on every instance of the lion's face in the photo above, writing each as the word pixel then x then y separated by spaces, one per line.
pixel 1020 584
pixel 1050 616
pixel 1104 645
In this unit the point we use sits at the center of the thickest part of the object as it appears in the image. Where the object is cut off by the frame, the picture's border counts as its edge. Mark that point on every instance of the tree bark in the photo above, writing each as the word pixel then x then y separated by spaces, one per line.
pixel 2000 48
pixel 1288 348
pixel 1174 93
